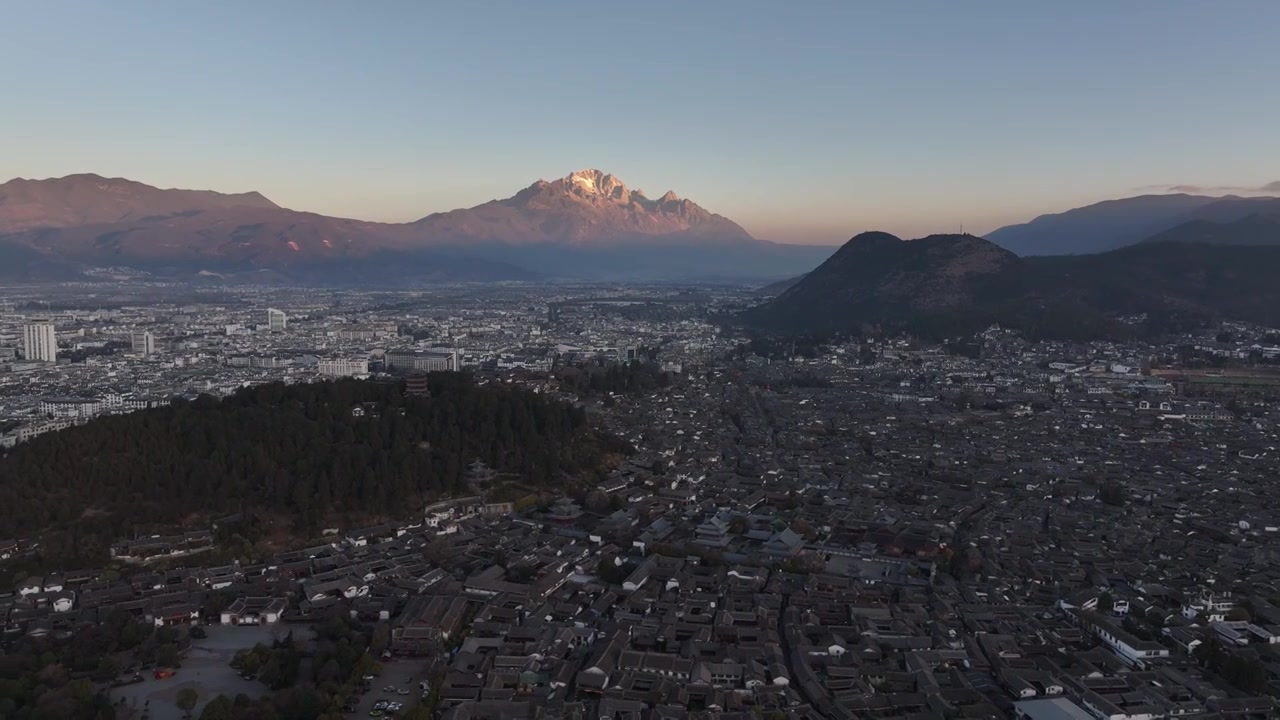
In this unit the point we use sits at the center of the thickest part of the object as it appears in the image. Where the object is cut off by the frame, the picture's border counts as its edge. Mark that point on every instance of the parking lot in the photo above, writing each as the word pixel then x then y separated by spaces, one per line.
pixel 206 669
pixel 398 675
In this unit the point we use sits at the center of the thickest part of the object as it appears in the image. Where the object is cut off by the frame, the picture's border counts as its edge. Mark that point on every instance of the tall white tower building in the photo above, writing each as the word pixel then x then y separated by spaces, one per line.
pixel 277 321
pixel 144 343
pixel 40 341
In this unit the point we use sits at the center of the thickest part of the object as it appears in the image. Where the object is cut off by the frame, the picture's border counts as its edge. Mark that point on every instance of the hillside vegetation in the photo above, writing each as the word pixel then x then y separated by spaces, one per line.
pixel 296 450
pixel 952 285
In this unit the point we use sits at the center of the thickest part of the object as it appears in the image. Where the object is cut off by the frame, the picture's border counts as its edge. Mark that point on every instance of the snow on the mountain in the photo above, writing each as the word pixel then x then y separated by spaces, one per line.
pixel 585 181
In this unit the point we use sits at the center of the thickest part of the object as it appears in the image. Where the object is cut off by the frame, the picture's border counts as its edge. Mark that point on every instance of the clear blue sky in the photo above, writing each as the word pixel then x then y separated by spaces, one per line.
pixel 805 121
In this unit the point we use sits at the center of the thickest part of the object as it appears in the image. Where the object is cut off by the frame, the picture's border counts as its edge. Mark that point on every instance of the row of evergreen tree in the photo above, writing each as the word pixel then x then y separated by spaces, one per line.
pixel 311 450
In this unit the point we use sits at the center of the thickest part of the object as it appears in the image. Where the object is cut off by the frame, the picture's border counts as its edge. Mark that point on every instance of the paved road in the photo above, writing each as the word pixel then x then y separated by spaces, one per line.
pixel 796 683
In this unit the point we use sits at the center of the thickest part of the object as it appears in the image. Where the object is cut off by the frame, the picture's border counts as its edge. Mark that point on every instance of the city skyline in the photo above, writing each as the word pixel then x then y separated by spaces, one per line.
pixel 802 127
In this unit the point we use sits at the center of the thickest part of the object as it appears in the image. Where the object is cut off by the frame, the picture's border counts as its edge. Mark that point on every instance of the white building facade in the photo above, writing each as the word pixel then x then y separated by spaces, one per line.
pixel 40 341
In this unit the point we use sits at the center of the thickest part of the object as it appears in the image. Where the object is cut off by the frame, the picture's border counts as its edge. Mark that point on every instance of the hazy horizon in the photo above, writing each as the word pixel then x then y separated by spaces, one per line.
pixel 803 127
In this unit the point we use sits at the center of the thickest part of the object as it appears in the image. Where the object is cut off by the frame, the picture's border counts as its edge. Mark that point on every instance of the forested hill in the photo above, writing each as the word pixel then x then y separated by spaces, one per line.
pixel 292 449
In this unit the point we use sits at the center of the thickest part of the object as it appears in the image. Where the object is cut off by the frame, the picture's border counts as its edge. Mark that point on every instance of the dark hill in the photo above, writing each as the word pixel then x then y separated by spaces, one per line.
pixel 777 288
pixel 1102 226
pixel 1116 223
pixel 955 284
pixel 942 283
pixel 1194 281
pixel 1251 230
pixel 290 450
pixel 1234 208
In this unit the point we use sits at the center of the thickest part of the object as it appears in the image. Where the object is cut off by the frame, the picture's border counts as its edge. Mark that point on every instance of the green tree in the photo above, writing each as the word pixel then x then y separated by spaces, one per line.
pixel 131 633
pixel 271 673
pixel 597 502
pixel 611 572
pixel 1113 494
pixel 247 661
pixel 328 673
pixel 167 656
pixel 380 639
pixel 219 708
pixel 186 700
pixel 107 669
pixel 803 527
pixel 288 449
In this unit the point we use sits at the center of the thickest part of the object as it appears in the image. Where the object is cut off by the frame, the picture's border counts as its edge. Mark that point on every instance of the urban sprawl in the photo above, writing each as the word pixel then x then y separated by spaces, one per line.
pixel 859 528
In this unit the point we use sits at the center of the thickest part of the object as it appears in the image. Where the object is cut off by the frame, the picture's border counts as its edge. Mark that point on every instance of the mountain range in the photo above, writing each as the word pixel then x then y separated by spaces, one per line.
pixel 585 225
pixel 1114 224
pixel 1179 259
pixel 950 285
pixel 1255 229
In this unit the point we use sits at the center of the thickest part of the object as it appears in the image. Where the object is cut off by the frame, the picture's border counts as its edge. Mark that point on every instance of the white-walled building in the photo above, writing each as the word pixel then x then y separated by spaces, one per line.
pixel 342 367
pixel 40 341
pixel 277 320
pixel 144 343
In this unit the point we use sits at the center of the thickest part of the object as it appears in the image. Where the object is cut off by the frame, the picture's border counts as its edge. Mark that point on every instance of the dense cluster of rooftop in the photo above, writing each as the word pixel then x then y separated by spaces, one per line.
pixel 876 529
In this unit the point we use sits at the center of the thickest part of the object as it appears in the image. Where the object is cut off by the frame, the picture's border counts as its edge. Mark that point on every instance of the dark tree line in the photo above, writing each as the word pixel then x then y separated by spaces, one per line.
pixel 785 347
pixel 289 449
pixel 593 379
pixel 56 678
pixel 1244 672
pixel 309 680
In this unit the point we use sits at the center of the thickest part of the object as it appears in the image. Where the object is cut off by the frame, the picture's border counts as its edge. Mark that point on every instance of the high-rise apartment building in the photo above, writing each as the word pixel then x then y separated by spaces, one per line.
pixel 40 341
pixel 144 343
pixel 277 321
